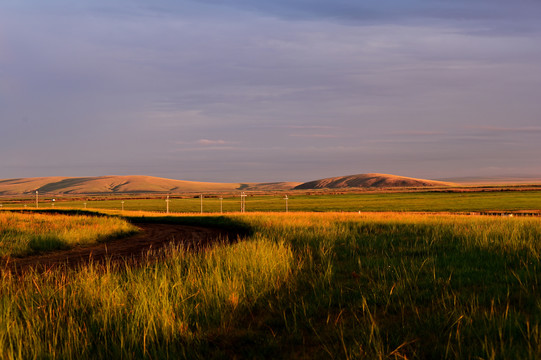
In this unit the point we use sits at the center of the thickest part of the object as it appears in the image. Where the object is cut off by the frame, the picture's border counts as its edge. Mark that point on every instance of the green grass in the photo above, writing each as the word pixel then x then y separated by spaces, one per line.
pixel 413 201
pixel 332 285
pixel 28 233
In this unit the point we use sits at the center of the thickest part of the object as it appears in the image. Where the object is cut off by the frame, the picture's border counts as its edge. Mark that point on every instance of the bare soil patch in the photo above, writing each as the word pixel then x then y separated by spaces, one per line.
pixel 151 237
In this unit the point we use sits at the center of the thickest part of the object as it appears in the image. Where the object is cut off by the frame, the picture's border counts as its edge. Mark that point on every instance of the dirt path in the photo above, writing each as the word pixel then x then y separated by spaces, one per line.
pixel 151 236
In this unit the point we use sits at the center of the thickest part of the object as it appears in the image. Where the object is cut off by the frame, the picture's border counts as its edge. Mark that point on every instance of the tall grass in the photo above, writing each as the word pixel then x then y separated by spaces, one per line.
pixel 23 234
pixel 104 311
pixel 374 286
pixel 413 286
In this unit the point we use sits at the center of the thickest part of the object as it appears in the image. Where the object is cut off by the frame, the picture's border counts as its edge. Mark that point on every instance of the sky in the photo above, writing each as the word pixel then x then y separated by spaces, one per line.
pixel 281 90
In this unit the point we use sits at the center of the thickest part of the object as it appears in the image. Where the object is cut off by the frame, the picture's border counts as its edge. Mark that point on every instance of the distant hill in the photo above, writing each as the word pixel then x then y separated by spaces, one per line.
pixel 125 184
pixel 369 181
pixel 137 184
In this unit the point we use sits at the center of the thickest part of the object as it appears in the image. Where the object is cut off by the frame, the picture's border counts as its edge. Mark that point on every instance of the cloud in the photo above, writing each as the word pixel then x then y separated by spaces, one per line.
pixel 316 136
pixel 207 142
pixel 205 149
pixel 418 133
pixel 499 129
pixel 373 11
pixel 308 127
pixel 204 146
pixel 226 81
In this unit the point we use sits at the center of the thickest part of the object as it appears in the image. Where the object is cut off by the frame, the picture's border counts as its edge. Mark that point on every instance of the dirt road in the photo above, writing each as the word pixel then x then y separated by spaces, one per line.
pixel 151 236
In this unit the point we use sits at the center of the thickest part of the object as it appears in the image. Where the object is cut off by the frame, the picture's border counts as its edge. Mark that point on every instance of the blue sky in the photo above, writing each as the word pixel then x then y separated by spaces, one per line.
pixel 270 90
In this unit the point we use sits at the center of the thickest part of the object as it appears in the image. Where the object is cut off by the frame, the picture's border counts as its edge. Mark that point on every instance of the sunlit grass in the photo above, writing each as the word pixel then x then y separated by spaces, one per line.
pixel 301 285
pixel 23 234
pixel 115 310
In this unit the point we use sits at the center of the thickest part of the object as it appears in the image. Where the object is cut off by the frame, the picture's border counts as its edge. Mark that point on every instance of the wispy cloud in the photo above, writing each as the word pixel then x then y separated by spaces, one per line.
pixel 205 145
pixel 359 12
pixel 316 136
pixel 208 142
pixel 418 133
pixel 308 127
pixel 206 149
pixel 499 129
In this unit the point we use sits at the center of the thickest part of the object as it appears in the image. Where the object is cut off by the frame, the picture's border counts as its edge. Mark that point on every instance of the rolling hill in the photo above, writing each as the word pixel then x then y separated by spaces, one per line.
pixel 125 185
pixel 369 181
pixel 155 185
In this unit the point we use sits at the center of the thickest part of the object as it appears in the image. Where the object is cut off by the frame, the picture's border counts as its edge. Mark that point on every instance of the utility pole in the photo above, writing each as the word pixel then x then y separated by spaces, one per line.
pixel 286 198
pixel 201 197
pixel 221 205
pixel 167 205
pixel 242 202
pixel 37 202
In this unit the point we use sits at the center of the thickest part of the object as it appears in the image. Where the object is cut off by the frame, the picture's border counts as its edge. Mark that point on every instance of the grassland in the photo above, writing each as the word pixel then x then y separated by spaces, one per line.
pixel 413 201
pixel 301 285
pixel 24 234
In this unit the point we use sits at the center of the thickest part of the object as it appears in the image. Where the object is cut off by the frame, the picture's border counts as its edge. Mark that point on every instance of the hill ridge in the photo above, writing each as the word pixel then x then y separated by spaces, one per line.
pixel 119 184
pixel 369 180
pixel 143 184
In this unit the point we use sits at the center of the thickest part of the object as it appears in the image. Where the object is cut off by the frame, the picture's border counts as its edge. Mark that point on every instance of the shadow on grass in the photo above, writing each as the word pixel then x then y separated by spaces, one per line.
pixel 45 243
pixel 231 226
pixel 217 222
pixel 72 212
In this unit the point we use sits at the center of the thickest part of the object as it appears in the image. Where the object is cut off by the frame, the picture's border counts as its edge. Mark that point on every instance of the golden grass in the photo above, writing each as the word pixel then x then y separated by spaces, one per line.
pixel 301 285
pixel 23 234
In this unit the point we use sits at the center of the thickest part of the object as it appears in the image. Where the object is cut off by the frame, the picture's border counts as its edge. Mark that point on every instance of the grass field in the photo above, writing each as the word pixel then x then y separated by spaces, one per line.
pixel 413 201
pixel 24 234
pixel 301 285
